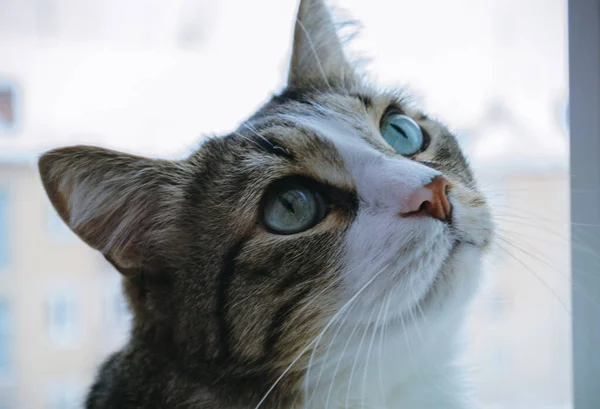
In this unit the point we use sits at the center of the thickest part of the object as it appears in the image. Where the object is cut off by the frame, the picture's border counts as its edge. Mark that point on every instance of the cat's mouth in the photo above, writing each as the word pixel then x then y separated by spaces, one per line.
pixel 432 295
pixel 477 238
pixel 469 226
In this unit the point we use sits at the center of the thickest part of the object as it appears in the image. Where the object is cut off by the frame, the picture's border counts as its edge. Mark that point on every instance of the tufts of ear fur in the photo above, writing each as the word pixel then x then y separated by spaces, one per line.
pixel 318 58
pixel 119 204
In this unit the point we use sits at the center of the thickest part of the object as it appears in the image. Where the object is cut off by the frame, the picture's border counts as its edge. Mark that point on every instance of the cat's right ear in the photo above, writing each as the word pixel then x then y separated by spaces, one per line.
pixel 318 58
pixel 119 204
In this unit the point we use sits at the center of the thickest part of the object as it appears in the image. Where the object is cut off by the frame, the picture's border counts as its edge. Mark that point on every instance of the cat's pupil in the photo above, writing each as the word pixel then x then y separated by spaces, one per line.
pixel 399 130
pixel 287 204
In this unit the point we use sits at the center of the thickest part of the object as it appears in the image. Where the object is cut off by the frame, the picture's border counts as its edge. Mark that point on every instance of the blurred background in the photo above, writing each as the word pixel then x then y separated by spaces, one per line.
pixel 152 77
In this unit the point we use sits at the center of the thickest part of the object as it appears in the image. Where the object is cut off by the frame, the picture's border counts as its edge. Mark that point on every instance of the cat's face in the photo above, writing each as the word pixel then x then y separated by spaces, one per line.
pixel 332 144
pixel 333 196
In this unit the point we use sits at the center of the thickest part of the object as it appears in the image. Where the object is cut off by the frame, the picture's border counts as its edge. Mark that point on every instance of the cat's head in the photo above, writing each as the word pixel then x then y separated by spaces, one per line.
pixel 331 200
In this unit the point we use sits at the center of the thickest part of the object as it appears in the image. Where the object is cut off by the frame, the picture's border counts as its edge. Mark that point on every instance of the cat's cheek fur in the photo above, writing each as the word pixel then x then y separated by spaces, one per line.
pixel 411 361
pixel 227 314
pixel 472 217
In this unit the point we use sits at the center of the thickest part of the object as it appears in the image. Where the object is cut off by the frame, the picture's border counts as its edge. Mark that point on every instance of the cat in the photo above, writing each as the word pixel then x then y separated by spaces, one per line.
pixel 323 255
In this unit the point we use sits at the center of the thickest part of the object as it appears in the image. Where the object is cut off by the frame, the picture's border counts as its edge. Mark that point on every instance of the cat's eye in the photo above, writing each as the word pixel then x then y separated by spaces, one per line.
pixel 290 209
pixel 403 134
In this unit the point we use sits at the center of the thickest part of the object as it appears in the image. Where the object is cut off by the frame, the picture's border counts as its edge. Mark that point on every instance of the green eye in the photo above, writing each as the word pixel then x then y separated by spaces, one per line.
pixel 292 209
pixel 403 134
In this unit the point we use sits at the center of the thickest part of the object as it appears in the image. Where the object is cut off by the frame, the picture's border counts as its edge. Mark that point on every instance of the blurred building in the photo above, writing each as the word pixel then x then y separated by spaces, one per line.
pixel 151 77
pixel 61 310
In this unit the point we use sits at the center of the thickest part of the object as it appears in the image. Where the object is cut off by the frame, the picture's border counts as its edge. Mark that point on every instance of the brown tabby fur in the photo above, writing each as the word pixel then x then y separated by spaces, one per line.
pixel 221 306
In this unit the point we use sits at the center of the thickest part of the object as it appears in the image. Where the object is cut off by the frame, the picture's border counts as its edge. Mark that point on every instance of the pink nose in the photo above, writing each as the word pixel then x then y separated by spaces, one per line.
pixel 430 200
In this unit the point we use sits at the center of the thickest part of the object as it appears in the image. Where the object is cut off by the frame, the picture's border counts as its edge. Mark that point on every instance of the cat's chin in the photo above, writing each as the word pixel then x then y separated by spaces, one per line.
pixel 447 293
pixel 454 287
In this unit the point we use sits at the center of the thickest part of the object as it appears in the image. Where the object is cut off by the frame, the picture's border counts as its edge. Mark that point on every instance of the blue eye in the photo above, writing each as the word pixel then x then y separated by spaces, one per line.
pixel 292 209
pixel 402 133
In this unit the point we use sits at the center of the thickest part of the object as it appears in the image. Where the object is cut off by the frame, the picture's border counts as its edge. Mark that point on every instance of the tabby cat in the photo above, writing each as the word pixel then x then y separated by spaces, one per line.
pixel 320 256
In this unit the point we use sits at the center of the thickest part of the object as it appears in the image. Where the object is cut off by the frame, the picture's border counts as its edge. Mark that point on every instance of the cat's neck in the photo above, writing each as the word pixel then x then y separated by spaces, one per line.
pixel 405 368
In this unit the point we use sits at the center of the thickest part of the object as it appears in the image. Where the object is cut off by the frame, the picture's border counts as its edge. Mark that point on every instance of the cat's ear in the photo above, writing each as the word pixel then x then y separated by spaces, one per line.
pixel 119 204
pixel 318 58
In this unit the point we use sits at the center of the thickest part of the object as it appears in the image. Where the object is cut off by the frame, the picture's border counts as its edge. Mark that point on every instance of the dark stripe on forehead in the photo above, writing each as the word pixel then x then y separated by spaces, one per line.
pixel 366 100
pixel 274 147
pixel 266 144
pixel 293 95
pixel 278 103
pixel 306 96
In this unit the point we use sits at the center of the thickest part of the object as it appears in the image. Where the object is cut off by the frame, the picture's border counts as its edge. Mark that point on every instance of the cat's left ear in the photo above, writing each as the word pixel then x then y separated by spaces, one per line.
pixel 318 58
pixel 119 204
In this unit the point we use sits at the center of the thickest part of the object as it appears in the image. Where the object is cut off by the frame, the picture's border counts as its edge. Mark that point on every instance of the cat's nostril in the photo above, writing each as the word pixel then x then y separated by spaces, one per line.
pixel 431 200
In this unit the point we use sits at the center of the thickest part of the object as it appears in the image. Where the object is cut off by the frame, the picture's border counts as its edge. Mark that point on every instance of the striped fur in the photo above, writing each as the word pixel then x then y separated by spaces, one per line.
pixel 361 310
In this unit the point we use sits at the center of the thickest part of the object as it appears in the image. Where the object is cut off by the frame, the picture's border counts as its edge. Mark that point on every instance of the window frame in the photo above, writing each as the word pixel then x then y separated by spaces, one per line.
pixel 584 118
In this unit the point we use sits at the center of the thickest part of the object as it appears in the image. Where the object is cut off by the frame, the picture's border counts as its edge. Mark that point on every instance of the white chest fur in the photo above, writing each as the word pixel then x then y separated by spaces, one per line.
pixel 398 369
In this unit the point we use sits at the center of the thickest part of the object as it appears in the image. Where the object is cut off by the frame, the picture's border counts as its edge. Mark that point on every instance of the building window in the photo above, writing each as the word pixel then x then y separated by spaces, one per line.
pixel 4 250
pixel 8 107
pixel 5 338
pixel 63 320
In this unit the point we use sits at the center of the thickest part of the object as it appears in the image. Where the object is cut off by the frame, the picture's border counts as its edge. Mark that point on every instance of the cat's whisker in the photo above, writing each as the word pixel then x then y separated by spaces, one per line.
pixel 331 321
pixel 409 347
pixel 564 237
pixel 244 137
pixel 410 351
pixel 522 213
pixel 532 218
pixel 368 357
pixel 574 284
pixel 381 341
pixel 513 238
pixel 341 358
pixel 418 304
pixel 415 322
pixel 244 249
pixel 324 359
pixel 539 279
pixel 333 378
pixel 355 362
pixel 255 132
pixel 310 362
pixel 317 295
